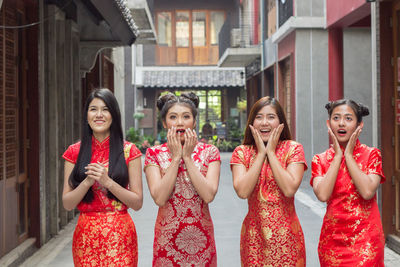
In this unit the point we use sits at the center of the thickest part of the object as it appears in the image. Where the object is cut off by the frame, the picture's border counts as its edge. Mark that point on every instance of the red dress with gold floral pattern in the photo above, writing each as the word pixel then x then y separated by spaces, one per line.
pixel 105 234
pixel 184 232
pixel 351 233
pixel 271 232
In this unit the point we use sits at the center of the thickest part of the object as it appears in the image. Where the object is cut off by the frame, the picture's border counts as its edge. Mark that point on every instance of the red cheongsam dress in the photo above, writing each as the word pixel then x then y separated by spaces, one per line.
pixel 351 233
pixel 271 233
pixel 105 234
pixel 184 232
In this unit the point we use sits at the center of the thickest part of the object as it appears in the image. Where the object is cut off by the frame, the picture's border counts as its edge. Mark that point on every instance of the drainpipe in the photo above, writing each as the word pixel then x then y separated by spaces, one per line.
pixel 374 81
pixel 262 17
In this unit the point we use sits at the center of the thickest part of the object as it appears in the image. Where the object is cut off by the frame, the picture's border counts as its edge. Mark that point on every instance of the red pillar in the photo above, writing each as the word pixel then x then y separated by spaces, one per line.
pixel 335 51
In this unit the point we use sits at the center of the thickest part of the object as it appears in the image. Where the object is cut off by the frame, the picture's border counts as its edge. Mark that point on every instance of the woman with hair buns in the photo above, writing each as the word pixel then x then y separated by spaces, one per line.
pixel 346 176
pixel 182 176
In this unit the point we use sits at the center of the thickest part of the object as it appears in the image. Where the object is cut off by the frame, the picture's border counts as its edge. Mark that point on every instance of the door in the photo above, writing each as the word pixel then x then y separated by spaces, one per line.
pixel 8 130
pixel 396 93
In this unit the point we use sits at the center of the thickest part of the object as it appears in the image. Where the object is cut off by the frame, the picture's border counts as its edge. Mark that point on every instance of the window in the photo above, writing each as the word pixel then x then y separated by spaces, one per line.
pixel 164 28
pixel 182 29
pixel 199 29
pixel 217 20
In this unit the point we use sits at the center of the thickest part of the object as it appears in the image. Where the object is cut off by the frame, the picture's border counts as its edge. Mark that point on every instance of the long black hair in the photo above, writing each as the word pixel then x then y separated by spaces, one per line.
pixel 117 169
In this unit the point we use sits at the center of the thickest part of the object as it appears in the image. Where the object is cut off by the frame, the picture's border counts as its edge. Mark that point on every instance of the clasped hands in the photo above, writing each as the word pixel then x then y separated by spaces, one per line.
pixel 265 149
pixel 175 146
pixel 98 172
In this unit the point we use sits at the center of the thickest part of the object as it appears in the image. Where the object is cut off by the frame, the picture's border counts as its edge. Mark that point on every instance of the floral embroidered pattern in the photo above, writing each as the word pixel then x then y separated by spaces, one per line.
pixel 184 232
pixel 351 233
pixel 271 234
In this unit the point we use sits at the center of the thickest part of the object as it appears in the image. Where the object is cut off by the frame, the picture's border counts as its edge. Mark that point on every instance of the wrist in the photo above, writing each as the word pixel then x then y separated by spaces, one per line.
pixel 109 184
pixel 88 182
pixel 186 158
pixel 176 159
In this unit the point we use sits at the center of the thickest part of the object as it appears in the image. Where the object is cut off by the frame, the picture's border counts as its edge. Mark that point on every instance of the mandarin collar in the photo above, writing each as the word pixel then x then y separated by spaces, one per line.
pixel 99 145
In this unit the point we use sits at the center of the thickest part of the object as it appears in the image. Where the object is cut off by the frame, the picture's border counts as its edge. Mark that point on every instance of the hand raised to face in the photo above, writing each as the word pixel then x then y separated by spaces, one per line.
pixel 274 138
pixel 190 142
pixel 261 148
pixel 174 143
pixel 352 141
pixel 335 142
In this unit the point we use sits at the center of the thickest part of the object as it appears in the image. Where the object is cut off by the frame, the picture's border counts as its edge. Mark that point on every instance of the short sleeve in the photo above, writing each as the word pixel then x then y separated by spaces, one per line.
pixel 214 154
pixel 297 155
pixel 72 152
pixel 316 168
pixel 375 164
pixel 131 152
pixel 151 158
pixel 238 157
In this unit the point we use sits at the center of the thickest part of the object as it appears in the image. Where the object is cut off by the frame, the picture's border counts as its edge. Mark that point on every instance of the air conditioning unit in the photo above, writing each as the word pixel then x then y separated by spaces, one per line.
pixel 236 37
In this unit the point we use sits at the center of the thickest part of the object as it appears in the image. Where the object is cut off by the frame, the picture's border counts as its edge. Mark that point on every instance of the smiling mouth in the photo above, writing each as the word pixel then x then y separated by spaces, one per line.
pixel 265 131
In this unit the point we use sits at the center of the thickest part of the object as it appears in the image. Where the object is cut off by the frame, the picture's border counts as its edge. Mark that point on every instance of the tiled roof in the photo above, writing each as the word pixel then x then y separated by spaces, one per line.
pixel 126 13
pixel 166 77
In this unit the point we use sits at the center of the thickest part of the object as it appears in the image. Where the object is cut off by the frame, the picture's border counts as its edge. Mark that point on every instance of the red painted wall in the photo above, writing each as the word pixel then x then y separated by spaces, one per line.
pixel 287 46
pixel 256 10
pixel 342 13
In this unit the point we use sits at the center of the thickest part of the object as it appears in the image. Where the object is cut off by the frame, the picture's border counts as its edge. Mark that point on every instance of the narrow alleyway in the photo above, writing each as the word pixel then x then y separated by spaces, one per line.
pixel 227 211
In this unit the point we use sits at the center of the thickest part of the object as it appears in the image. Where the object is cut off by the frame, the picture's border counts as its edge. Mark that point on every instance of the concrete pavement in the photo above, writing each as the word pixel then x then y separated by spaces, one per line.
pixel 227 211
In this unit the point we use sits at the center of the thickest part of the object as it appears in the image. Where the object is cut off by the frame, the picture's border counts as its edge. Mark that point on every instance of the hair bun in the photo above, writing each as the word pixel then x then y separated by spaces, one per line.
pixel 328 106
pixel 164 99
pixel 364 111
pixel 192 97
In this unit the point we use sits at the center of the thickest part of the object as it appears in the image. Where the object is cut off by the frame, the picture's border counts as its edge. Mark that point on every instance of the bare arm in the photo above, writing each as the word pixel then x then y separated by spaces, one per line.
pixel 72 197
pixel 207 186
pixel 366 184
pixel 323 186
pixel 245 180
pixel 132 197
pixel 161 188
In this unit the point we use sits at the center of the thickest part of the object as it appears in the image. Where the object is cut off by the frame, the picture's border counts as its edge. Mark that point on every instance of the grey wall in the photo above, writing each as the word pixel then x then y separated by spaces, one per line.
pixel 307 8
pixel 312 91
pixel 357 73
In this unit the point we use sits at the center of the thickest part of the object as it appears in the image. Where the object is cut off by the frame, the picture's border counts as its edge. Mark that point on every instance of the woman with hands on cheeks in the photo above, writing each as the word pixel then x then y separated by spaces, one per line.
pixel 103 178
pixel 267 171
pixel 346 176
pixel 182 176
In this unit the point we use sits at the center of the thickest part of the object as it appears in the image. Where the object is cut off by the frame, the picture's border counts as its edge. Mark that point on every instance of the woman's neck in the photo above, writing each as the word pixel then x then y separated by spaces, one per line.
pixel 101 136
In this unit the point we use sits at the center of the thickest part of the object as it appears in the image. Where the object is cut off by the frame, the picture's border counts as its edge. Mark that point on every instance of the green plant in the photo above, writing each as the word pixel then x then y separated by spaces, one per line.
pixel 138 115
pixel 133 135
pixel 242 105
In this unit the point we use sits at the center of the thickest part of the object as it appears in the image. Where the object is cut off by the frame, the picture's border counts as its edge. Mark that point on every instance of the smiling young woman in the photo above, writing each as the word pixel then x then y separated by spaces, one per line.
pixel 103 178
pixel 346 176
pixel 182 176
pixel 267 169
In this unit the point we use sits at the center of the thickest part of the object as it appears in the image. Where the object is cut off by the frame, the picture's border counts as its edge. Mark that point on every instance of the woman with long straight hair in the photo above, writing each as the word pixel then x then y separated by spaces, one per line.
pixel 346 176
pixel 183 176
pixel 103 178
pixel 267 171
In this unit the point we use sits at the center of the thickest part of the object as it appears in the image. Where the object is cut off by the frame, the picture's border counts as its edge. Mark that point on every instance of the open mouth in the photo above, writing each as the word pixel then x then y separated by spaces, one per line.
pixel 180 131
pixel 265 131
pixel 342 132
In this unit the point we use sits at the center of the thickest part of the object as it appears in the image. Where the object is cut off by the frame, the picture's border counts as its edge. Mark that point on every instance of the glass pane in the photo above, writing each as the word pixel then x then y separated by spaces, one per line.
pixel 182 29
pixel 217 20
pixel 164 28
pixel 199 29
